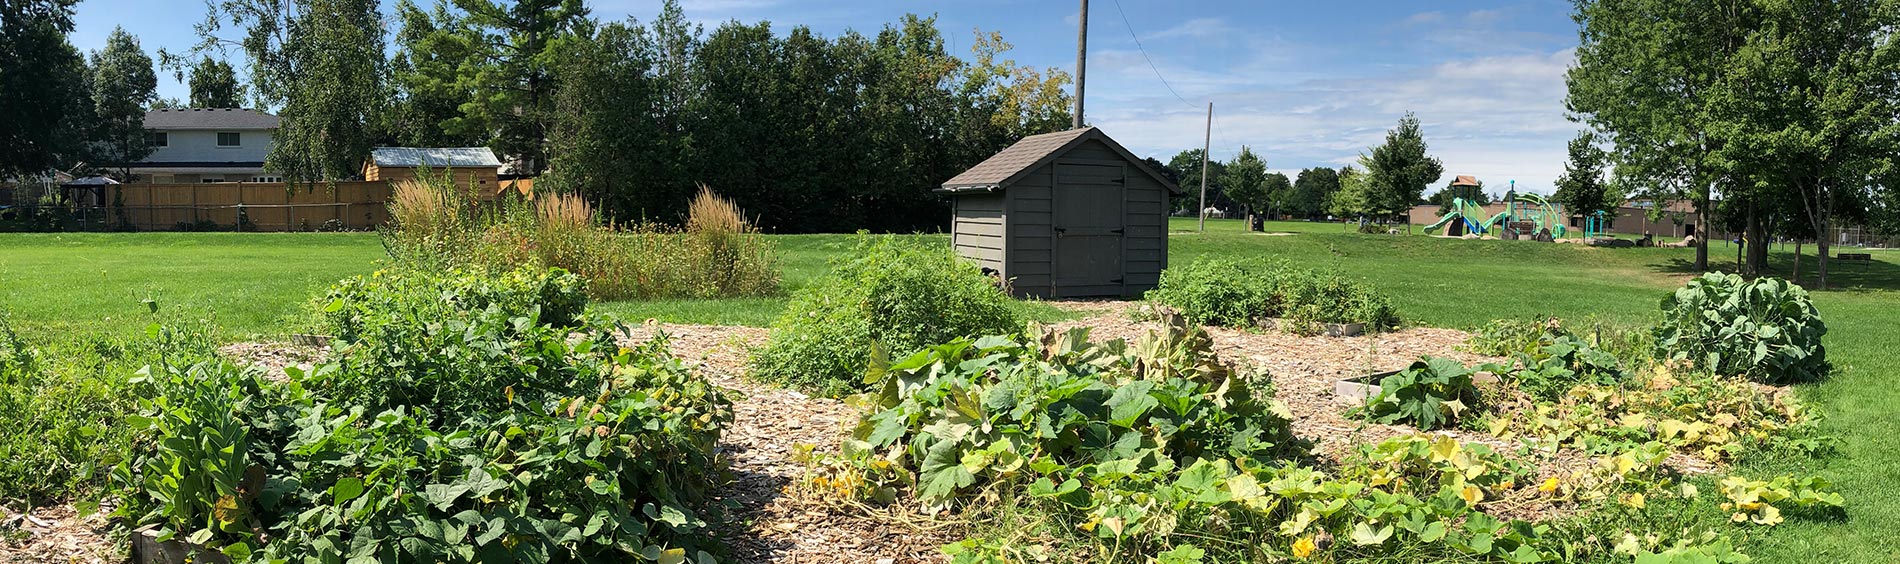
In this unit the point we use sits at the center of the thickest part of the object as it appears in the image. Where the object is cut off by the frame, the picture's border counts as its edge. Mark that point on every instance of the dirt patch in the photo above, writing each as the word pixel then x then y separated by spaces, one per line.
pixel 274 357
pixel 56 534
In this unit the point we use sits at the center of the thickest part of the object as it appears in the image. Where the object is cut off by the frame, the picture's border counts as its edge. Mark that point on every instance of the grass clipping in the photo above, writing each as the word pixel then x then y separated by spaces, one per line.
pixel 718 254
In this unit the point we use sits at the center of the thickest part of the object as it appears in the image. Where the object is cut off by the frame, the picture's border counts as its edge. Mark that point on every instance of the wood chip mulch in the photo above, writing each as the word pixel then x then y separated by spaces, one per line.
pixel 56 534
pixel 763 523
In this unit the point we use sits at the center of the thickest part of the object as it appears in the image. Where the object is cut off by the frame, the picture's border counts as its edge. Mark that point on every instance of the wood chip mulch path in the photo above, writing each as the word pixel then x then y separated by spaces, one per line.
pixel 56 534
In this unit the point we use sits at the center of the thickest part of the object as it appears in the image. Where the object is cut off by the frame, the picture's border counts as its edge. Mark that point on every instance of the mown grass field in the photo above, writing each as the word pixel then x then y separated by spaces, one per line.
pixel 256 285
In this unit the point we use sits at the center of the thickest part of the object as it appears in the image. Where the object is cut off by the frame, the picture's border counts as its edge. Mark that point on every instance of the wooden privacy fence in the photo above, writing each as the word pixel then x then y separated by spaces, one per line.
pixel 267 206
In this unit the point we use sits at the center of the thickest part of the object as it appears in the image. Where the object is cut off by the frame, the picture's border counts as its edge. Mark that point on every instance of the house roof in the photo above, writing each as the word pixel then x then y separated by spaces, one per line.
pixel 400 157
pixel 1030 153
pixel 209 118
pixel 1466 180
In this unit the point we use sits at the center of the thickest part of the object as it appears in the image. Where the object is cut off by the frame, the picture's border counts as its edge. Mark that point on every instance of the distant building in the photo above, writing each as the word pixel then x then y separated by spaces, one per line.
pixel 465 165
pixel 207 145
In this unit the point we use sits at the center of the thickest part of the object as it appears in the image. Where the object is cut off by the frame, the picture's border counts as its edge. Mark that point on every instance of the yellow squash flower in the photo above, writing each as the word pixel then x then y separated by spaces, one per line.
pixel 1303 548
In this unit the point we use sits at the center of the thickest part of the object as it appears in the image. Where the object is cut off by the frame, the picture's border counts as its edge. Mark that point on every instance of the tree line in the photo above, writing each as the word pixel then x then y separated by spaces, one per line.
pixel 1382 184
pixel 807 133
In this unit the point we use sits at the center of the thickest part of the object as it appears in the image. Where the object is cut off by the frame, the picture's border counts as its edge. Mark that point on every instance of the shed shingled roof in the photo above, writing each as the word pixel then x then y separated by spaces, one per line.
pixel 208 118
pixel 402 157
pixel 1032 152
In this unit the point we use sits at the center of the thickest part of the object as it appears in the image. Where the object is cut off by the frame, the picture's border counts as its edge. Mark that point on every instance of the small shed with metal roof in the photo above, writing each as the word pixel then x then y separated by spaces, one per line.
pixel 466 165
pixel 1064 214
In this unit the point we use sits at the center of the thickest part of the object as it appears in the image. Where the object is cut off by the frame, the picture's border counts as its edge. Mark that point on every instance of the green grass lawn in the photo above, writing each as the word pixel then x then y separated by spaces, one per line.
pixel 256 284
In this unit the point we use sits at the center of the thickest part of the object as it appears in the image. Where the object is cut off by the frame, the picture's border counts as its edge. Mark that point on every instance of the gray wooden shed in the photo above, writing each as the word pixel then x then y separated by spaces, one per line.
pixel 1065 214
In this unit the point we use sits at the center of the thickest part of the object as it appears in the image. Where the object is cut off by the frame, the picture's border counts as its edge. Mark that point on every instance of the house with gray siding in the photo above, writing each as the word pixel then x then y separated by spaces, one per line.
pixel 1065 214
pixel 193 145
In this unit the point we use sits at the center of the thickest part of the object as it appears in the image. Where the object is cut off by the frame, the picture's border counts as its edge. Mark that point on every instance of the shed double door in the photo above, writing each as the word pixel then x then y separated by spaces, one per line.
pixel 1089 224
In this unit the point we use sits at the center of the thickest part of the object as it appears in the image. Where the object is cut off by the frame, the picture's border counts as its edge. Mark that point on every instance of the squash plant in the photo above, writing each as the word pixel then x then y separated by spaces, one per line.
pixel 1432 393
pixel 996 409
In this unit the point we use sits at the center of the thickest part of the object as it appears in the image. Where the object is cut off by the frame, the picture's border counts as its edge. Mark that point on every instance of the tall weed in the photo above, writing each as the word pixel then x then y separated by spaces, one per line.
pixel 438 225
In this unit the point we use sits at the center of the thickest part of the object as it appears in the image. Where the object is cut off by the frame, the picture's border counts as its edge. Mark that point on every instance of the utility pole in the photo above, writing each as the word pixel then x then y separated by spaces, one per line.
pixel 1081 62
pixel 1206 140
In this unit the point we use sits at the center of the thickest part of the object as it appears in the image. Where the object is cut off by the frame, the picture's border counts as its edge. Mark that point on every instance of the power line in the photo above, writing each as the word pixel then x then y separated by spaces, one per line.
pixel 1144 56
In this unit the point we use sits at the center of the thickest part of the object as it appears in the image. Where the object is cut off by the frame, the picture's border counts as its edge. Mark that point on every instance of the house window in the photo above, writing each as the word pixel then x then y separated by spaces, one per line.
pixel 227 139
pixel 161 139
pixel 211 179
pixel 267 179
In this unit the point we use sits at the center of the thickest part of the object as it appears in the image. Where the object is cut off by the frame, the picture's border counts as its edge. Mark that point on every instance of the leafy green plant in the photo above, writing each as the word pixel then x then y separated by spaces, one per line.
pixel 1431 393
pixel 1560 364
pixel 969 413
pixel 1219 292
pixel 64 401
pixel 1765 329
pixel 1761 502
pixel 278 472
pixel 1240 294
pixel 890 294
pixel 454 344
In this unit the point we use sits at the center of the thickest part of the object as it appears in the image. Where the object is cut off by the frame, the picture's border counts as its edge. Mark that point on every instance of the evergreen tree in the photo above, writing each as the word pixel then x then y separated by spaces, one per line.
pixel 516 47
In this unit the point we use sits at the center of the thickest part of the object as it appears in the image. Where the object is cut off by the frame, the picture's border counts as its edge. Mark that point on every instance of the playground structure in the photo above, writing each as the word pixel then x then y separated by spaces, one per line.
pixel 1466 216
pixel 1525 215
pixel 1531 215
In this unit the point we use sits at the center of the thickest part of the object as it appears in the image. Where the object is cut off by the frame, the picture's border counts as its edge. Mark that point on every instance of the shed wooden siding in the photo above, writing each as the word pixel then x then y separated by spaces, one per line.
pixel 979 229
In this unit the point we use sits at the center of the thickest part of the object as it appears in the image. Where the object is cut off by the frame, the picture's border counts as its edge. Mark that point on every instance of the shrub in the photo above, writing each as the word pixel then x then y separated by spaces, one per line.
pixel 1058 402
pixel 438 225
pixel 453 343
pixel 890 294
pixel 1766 329
pixel 1236 294
pixel 1432 393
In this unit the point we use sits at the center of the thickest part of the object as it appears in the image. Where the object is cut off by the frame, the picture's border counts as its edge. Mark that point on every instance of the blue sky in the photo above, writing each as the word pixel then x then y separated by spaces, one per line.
pixel 1303 83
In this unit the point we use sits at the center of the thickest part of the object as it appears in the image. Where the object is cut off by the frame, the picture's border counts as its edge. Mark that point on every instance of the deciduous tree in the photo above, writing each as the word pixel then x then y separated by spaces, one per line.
pixel 123 82
pixel 1398 171
pixel 45 108
pixel 214 84
pixel 1245 180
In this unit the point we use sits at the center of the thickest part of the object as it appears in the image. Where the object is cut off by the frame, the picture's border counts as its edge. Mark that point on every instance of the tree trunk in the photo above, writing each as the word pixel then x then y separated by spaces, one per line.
pixel 1797 261
pixel 1755 243
pixel 1702 239
pixel 1820 248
